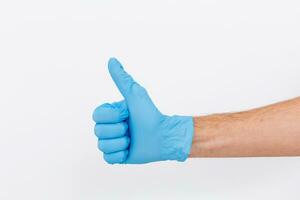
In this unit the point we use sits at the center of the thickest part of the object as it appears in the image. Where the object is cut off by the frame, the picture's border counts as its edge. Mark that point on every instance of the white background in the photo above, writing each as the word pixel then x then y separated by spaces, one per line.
pixel 194 57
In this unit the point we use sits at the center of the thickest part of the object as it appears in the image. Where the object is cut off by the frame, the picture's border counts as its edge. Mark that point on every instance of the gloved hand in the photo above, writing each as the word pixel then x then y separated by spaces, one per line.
pixel 134 130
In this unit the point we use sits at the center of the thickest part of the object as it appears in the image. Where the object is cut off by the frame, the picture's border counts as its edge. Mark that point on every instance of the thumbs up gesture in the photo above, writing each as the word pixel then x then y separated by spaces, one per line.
pixel 134 131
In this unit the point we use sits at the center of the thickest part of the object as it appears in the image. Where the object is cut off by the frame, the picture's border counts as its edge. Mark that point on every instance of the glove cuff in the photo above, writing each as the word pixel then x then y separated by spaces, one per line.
pixel 177 141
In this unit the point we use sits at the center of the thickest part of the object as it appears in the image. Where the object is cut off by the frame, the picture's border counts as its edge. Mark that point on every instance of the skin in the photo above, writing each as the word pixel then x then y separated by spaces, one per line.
pixel 272 130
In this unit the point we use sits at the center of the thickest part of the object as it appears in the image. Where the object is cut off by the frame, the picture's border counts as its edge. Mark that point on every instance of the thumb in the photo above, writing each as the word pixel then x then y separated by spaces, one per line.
pixel 130 89
pixel 122 79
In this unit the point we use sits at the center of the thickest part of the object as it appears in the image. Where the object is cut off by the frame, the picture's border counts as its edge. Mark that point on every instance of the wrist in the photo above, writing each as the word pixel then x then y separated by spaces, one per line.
pixel 178 139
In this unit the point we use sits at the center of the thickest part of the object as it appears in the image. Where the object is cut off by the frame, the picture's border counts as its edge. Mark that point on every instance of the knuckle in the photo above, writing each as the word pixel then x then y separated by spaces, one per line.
pixel 98 109
pixel 94 115
pixel 139 90
pixel 96 130
pixel 107 159
pixel 102 146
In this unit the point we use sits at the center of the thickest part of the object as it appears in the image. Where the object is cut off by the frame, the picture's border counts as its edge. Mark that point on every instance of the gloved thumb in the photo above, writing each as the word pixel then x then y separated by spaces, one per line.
pixel 130 89
pixel 122 79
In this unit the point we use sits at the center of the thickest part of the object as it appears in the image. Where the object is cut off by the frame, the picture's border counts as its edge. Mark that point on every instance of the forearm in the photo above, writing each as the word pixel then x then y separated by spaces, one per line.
pixel 268 131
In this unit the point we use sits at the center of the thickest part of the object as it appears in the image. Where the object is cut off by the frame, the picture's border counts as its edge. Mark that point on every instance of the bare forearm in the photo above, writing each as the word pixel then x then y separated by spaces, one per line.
pixel 268 131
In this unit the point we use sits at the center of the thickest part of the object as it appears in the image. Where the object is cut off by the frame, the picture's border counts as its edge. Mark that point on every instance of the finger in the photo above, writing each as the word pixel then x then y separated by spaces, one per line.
pixel 121 78
pixel 130 89
pixel 117 157
pixel 109 131
pixel 111 113
pixel 114 145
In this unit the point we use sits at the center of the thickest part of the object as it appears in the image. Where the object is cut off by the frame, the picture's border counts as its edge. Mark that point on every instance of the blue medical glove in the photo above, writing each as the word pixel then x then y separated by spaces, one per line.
pixel 134 130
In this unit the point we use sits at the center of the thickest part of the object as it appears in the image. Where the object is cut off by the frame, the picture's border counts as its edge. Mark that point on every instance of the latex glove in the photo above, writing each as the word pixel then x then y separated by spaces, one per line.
pixel 134 130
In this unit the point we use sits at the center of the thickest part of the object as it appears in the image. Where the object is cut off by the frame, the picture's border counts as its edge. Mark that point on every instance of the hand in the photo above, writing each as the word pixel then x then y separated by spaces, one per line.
pixel 134 130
